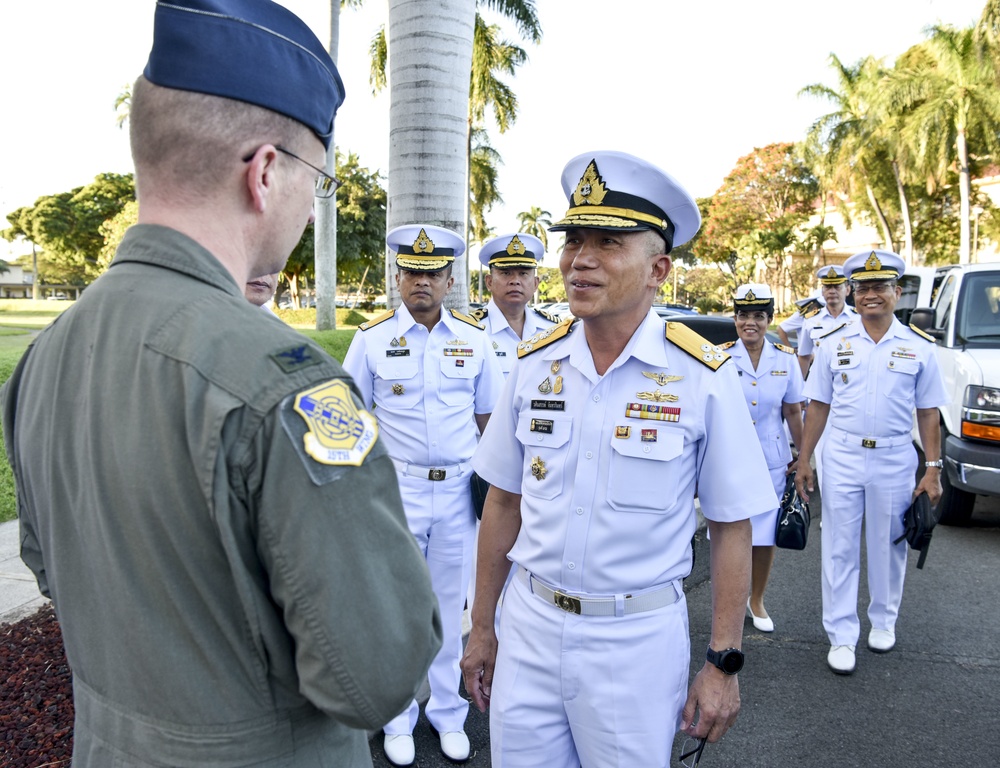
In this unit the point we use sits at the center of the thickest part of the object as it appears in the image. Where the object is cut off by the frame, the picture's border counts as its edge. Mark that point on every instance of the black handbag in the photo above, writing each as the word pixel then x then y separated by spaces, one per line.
pixel 918 525
pixel 479 490
pixel 792 529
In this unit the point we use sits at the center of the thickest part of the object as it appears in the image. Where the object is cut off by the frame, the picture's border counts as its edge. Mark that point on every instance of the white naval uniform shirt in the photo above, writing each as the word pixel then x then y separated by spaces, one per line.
pixel 607 499
pixel 793 322
pixel 777 380
pixel 503 337
pixel 872 389
pixel 820 324
pixel 426 386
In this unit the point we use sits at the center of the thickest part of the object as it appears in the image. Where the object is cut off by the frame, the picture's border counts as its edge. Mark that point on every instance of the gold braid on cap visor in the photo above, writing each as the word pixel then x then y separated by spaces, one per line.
pixel 526 260
pixel 603 214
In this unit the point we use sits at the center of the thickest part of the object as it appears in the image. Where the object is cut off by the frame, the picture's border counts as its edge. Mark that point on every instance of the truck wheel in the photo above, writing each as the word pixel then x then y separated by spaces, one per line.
pixel 955 506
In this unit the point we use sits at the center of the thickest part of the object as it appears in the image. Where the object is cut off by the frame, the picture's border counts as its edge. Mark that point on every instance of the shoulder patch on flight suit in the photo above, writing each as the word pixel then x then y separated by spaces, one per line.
pixel 834 330
pixel 547 315
pixel 727 345
pixel 811 313
pixel 295 358
pixel 921 333
pixel 328 429
pixel 786 350
pixel 380 319
pixel 695 345
pixel 479 314
pixel 465 319
pixel 544 338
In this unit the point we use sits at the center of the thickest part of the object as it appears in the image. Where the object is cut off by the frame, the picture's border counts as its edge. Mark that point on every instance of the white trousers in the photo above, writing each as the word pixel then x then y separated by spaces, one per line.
pixel 440 517
pixel 873 485
pixel 590 691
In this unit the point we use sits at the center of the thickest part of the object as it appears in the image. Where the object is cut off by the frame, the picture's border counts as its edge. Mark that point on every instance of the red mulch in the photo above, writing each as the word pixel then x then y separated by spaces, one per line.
pixel 36 694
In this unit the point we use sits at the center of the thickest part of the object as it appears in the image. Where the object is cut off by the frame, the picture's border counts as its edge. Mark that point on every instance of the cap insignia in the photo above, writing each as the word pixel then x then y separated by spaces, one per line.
pixel 750 296
pixel 591 188
pixel 832 272
pixel 873 264
pixel 516 247
pixel 423 244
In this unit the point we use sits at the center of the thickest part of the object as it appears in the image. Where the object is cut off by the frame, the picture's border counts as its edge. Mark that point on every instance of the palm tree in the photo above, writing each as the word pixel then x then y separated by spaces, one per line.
pixel 952 103
pixel 484 192
pixel 535 221
pixel 850 134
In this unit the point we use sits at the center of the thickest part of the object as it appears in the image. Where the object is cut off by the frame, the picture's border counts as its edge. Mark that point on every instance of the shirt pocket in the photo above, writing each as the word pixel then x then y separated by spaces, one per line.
pixel 396 383
pixel 545 440
pixel 644 476
pixel 458 380
pixel 776 450
pixel 902 378
pixel 846 375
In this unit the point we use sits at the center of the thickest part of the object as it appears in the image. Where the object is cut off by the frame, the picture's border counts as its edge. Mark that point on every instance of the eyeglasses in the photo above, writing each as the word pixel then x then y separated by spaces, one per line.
pixel 326 184
pixel 691 752
pixel 752 317
pixel 860 289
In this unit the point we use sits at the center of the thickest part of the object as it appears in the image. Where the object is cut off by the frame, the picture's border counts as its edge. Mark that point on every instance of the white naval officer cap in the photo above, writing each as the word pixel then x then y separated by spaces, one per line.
pixel 617 191
pixel 874 265
pixel 424 247
pixel 512 250
pixel 832 274
pixel 754 296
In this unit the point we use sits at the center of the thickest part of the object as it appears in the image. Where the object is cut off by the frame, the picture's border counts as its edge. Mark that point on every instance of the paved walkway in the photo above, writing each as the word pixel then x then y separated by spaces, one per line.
pixel 19 595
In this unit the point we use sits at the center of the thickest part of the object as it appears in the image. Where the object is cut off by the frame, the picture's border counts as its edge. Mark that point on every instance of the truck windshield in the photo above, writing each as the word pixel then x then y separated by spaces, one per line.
pixel 979 316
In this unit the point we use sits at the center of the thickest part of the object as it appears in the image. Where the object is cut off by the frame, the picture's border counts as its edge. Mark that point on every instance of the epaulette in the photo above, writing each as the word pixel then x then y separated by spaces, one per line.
pixel 547 315
pixel 465 319
pixel 783 348
pixel 834 330
pixel 479 314
pixel 695 345
pixel 924 334
pixel 812 313
pixel 544 338
pixel 727 345
pixel 375 321
pixel 808 307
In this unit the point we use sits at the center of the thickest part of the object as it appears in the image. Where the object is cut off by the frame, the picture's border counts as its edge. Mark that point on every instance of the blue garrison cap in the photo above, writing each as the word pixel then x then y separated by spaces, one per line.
pixel 249 50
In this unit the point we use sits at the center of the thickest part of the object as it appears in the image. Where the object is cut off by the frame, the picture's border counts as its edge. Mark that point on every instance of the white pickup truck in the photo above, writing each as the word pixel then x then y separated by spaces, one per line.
pixel 965 320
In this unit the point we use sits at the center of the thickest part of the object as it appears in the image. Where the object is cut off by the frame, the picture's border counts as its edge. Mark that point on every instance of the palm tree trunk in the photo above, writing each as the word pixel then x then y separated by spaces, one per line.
pixel 326 218
pixel 430 66
pixel 882 221
pixel 904 207
pixel 964 193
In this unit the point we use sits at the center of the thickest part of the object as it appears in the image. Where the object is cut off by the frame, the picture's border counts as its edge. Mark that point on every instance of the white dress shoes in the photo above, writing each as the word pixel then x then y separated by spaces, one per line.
pixel 761 623
pixel 881 640
pixel 841 659
pixel 399 749
pixel 455 745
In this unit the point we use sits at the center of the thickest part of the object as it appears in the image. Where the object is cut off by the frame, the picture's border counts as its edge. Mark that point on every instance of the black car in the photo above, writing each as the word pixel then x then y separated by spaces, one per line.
pixel 715 328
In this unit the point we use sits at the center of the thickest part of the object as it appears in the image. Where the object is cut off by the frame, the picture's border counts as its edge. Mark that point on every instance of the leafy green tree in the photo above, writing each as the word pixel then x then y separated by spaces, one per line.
pixel 535 221
pixel 484 191
pixel 550 285
pixel 361 203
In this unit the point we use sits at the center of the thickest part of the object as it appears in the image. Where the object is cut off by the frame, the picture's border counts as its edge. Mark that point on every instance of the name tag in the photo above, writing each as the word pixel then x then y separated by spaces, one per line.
pixel 779 373
pixel 542 425
pixel 548 405
pixel 500 354
pixel 843 361
pixel 397 353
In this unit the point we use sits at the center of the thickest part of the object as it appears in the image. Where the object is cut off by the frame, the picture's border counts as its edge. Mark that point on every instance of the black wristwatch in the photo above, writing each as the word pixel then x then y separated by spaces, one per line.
pixel 730 661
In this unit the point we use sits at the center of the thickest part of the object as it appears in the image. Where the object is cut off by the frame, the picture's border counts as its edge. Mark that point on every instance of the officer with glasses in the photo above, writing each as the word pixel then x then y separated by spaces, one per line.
pixel 865 383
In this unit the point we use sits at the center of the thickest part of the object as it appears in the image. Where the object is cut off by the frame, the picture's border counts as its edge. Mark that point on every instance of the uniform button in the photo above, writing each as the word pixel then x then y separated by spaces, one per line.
pixel 753 383
pixel 646 449
pixel 571 566
pixel 579 510
pixel 538 438
pixel 589 455
pixel 753 402
pixel 597 398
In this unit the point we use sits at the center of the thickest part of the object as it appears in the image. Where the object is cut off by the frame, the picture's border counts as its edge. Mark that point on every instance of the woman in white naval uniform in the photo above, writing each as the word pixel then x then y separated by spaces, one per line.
pixel 772 385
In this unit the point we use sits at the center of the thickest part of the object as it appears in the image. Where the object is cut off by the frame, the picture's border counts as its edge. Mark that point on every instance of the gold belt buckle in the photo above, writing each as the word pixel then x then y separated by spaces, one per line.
pixel 568 603
pixel 867 443
pixel 436 474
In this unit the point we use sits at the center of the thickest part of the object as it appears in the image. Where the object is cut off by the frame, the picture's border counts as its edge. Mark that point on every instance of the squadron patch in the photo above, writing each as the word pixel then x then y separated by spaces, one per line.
pixel 338 432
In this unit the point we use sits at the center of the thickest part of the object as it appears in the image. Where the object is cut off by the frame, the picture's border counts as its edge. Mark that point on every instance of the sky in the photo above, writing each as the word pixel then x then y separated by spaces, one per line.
pixel 689 86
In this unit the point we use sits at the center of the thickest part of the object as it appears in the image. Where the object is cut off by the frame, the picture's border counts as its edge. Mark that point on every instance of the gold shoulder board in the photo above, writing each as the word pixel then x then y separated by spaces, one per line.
pixel 543 338
pixel 785 349
pixel 695 345
pixel 547 315
pixel 812 313
pixel 921 333
pixel 727 345
pixel 479 314
pixel 833 331
pixel 380 319
pixel 465 319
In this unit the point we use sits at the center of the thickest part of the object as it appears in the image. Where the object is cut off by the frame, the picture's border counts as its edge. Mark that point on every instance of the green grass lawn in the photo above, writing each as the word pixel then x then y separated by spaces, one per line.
pixel 19 318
